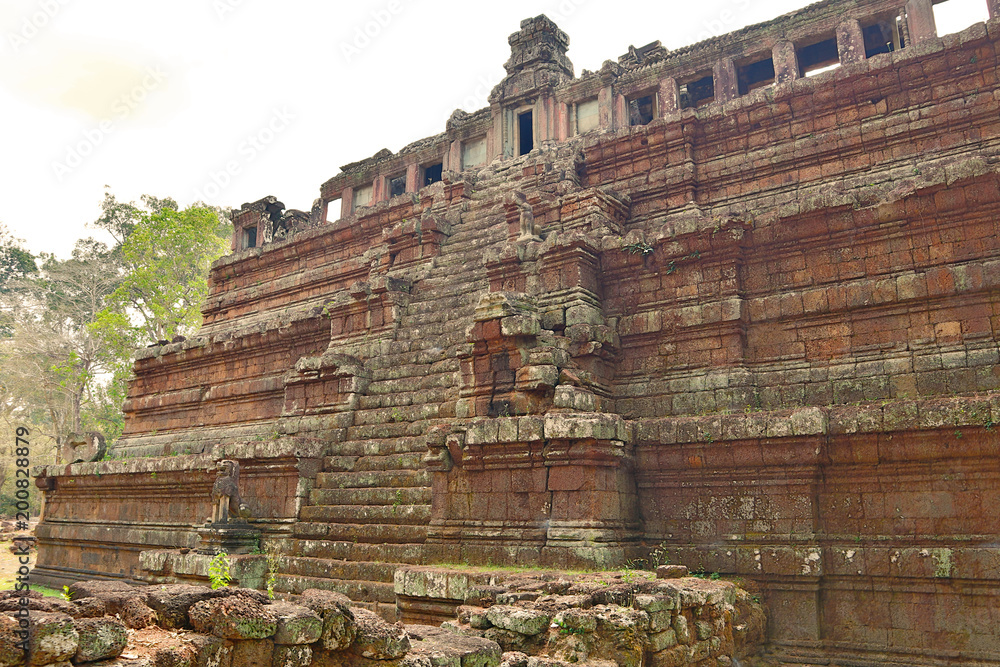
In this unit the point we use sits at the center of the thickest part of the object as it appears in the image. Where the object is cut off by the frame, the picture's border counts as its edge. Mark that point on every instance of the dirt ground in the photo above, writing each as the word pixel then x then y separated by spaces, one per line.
pixel 9 564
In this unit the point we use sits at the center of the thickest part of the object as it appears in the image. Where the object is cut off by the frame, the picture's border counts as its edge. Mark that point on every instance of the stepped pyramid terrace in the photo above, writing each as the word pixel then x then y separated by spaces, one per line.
pixel 735 305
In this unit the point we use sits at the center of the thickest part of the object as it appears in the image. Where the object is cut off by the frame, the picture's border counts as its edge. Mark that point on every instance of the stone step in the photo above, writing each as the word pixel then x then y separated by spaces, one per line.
pixel 356 590
pixel 384 382
pixel 376 462
pixel 371 496
pixel 373 478
pixel 387 398
pixel 359 551
pixel 372 533
pixel 371 447
pixel 387 515
pixel 378 430
pixel 333 568
pixel 389 462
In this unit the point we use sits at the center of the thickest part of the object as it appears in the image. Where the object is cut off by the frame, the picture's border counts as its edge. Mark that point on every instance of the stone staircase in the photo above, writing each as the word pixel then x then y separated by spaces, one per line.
pixel 370 508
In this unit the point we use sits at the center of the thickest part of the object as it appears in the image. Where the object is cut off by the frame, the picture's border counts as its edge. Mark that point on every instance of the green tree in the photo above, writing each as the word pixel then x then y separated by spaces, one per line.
pixel 55 359
pixel 166 258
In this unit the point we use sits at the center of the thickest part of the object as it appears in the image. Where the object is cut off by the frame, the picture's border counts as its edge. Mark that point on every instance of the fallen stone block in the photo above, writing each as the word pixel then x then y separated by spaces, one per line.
pixel 446 649
pixel 234 617
pixel 517 619
pixel 99 638
pixel 339 628
pixel 296 624
pixel 51 638
pixel 172 602
pixel 11 653
pixel 378 640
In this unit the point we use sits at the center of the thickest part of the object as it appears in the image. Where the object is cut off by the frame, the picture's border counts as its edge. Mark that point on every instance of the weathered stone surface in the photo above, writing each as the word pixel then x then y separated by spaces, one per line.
pixel 92 588
pixel 99 638
pixel 172 602
pixel 377 639
pixel 291 656
pixel 446 649
pixel 518 619
pixel 90 607
pixel 233 617
pixel 11 653
pixel 296 624
pixel 253 653
pixel 671 571
pixel 339 628
pixel 48 604
pixel 52 638
pixel 136 614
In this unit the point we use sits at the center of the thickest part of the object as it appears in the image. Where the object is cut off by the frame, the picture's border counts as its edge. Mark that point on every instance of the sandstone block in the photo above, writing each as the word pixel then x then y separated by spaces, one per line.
pixel 378 640
pixel 682 630
pixel 291 656
pixel 11 654
pixel 135 614
pixel 446 649
pixel 52 638
pixel 518 619
pixel 671 571
pixel 338 620
pixel 658 641
pixel 576 620
pixel 296 624
pixel 233 617
pixel 99 638
pixel 253 653
pixel 473 616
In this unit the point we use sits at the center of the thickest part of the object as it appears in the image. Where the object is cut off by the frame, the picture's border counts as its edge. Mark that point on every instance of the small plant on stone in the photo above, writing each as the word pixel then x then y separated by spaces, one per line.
pixel 637 248
pixel 273 562
pixel 66 595
pixel 396 415
pixel 658 556
pixel 218 571
pixel 565 629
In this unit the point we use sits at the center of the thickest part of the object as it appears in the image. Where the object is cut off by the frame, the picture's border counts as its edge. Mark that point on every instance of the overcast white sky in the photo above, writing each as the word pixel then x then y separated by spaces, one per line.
pixel 231 100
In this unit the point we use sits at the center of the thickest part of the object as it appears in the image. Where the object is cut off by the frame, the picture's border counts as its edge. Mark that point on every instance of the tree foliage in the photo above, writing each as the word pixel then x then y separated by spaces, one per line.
pixel 166 258
pixel 69 327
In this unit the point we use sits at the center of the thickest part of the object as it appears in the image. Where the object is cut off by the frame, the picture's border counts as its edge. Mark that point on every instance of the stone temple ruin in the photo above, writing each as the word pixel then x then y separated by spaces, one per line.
pixel 698 303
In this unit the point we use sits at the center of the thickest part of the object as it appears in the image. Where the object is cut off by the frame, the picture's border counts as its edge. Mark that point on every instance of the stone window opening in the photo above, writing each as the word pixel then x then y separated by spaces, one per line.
pixel 249 237
pixel 642 110
pixel 818 57
pixel 525 132
pixel 331 210
pixel 362 197
pixel 697 93
pixel 432 173
pixel 755 75
pixel 884 36
pixel 397 185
